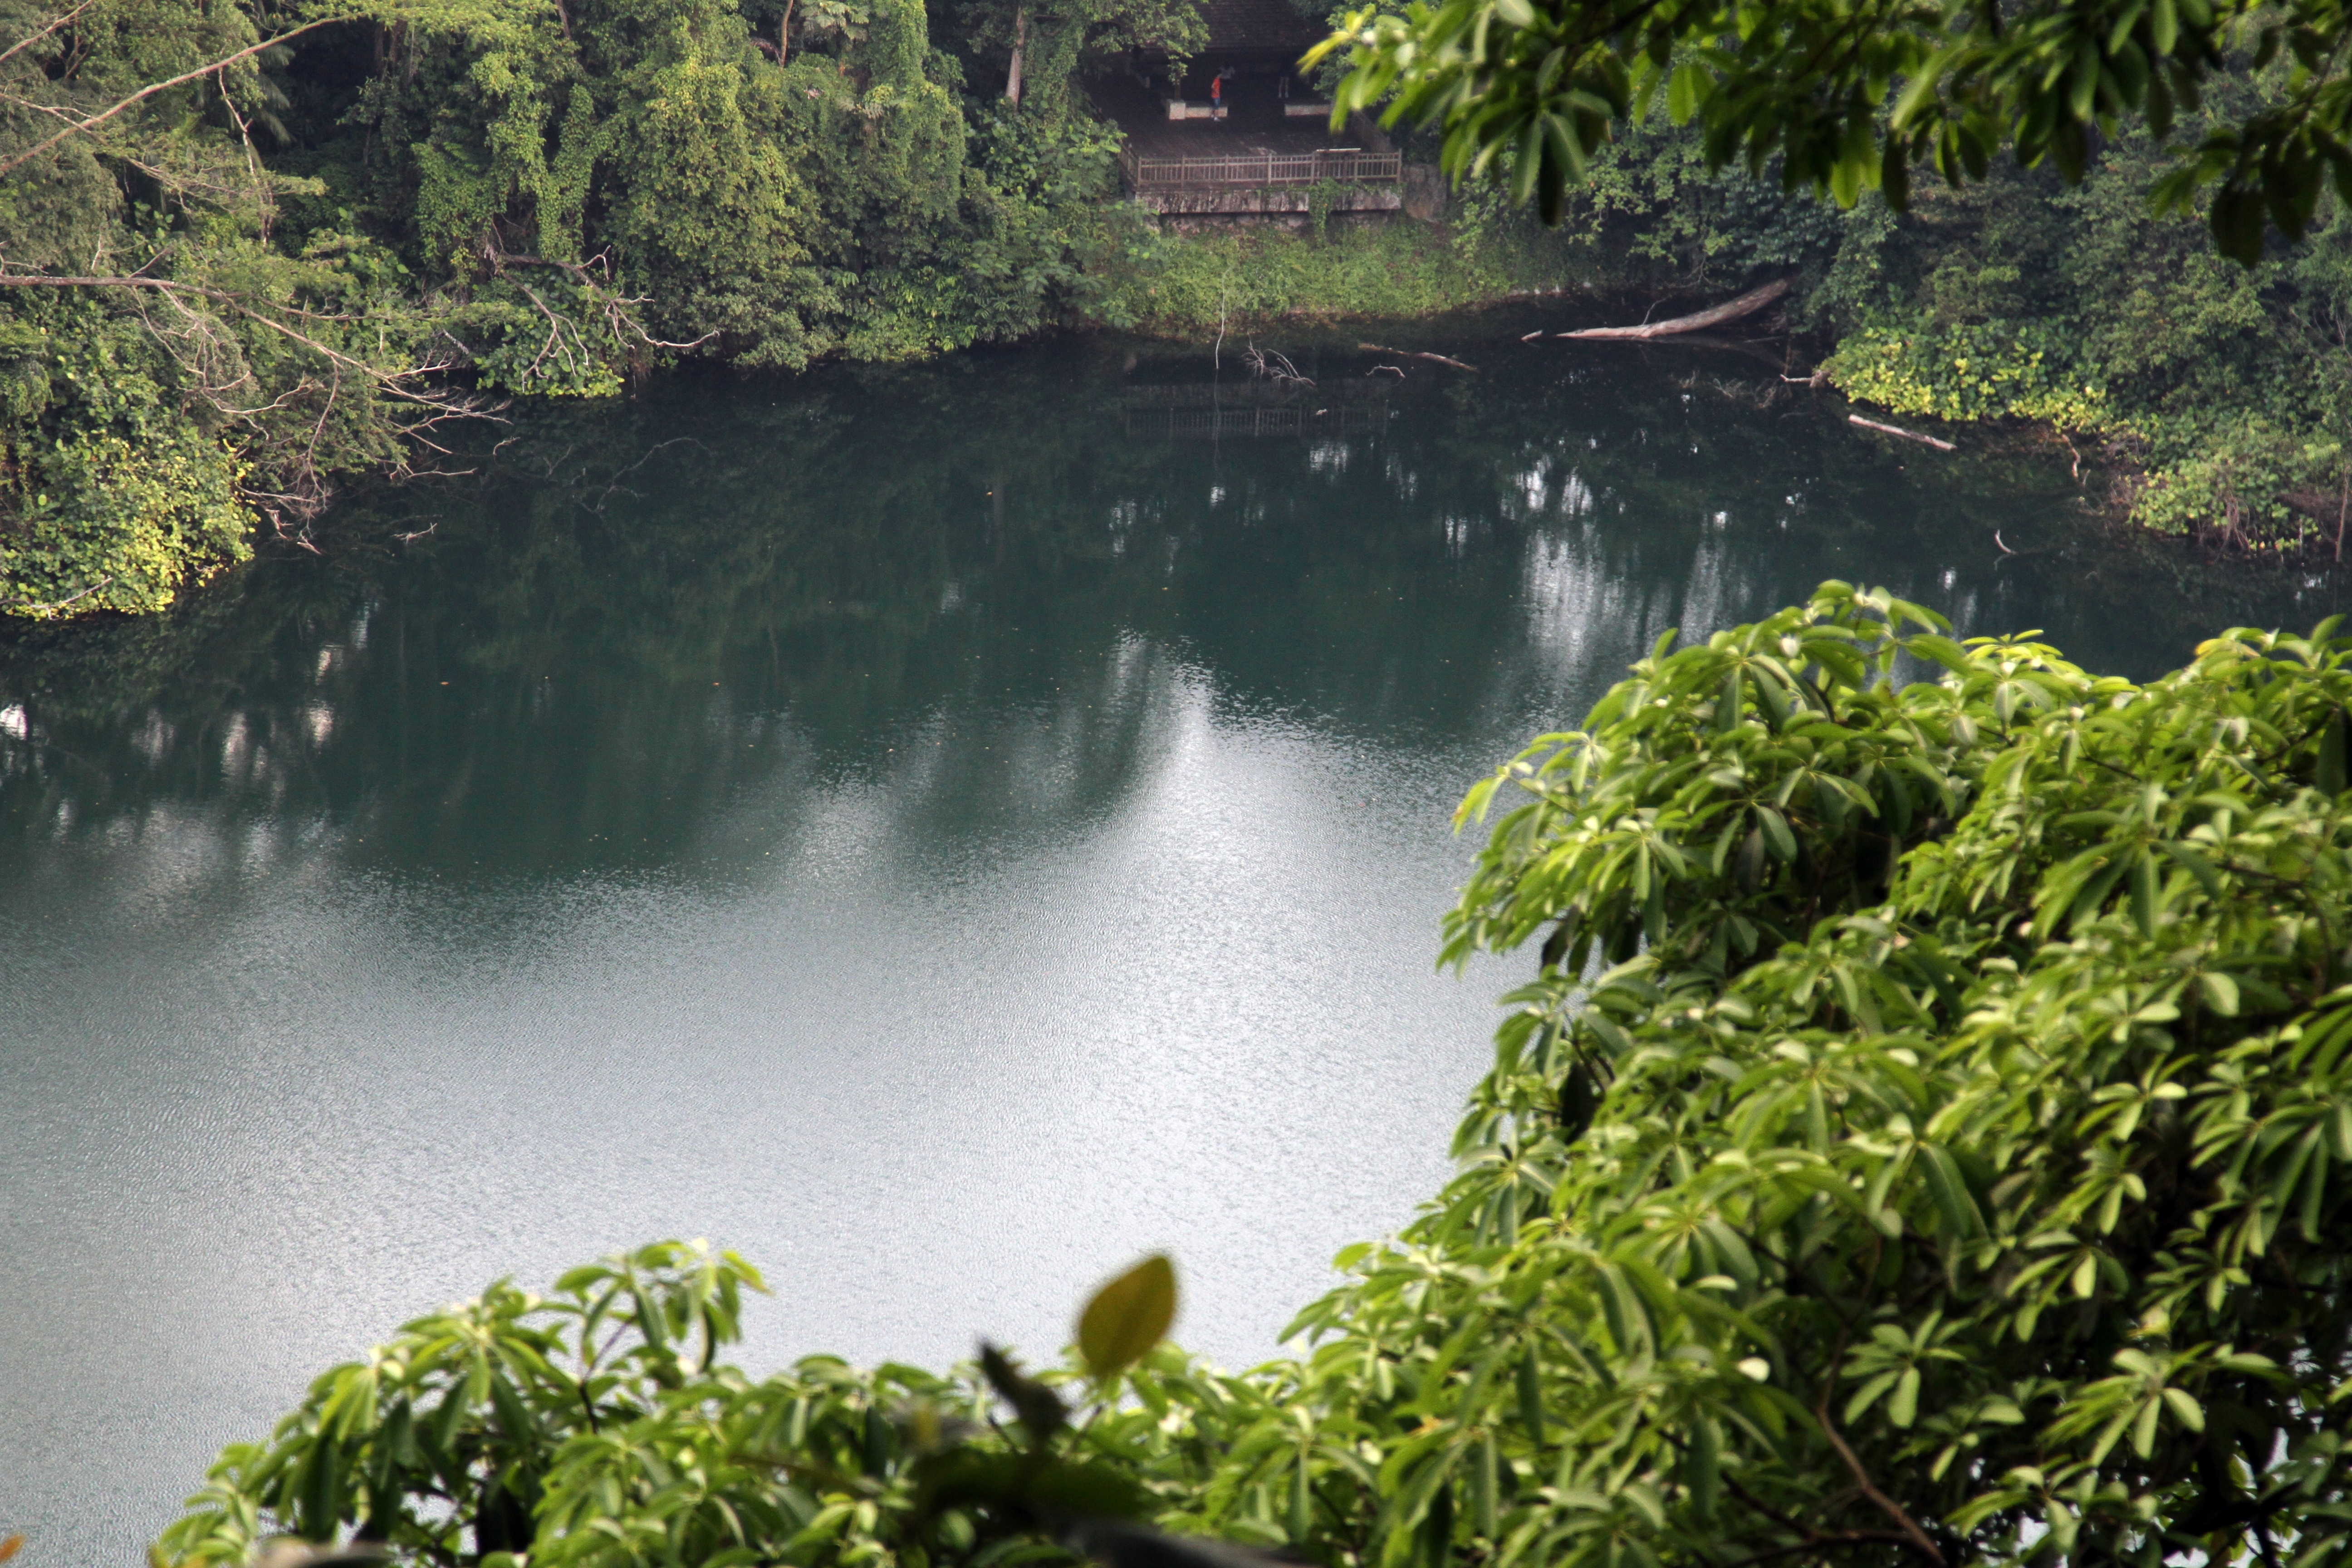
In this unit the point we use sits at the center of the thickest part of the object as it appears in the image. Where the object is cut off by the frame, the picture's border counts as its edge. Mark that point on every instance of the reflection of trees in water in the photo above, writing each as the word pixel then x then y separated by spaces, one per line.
pixel 967 585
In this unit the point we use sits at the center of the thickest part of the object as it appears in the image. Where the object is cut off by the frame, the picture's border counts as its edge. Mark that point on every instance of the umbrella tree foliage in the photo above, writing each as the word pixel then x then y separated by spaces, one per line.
pixel 1924 1141
pixel 1848 95
pixel 2086 283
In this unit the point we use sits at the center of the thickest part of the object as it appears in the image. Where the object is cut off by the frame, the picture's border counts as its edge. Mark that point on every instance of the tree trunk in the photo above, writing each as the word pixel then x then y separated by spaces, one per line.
pixel 784 35
pixel 1020 40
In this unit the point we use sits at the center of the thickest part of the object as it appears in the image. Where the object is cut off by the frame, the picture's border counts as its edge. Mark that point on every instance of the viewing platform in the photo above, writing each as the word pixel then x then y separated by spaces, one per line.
pixel 1260 157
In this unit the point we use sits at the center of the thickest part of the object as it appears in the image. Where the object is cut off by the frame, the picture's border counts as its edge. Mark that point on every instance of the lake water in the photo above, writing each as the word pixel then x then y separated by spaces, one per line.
pixel 940 831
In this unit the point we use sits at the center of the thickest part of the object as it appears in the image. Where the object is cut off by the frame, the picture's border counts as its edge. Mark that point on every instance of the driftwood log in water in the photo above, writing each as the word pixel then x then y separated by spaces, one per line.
pixel 1906 434
pixel 1416 353
pixel 1747 304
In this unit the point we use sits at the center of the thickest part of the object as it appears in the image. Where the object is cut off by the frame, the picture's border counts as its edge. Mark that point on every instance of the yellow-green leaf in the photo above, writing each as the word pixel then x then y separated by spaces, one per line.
pixel 1128 1316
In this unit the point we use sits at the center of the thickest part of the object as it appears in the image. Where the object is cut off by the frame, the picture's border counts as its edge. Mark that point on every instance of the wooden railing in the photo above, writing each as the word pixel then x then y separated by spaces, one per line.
pixel 1346 165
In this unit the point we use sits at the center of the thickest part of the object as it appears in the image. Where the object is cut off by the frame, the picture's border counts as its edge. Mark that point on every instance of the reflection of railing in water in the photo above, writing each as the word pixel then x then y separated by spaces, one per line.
pixel 1235 392
pixel 1346 165
pixel 1295 419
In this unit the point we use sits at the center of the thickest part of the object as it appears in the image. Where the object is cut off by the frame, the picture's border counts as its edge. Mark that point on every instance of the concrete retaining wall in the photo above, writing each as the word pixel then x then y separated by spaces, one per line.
pixel 1207 200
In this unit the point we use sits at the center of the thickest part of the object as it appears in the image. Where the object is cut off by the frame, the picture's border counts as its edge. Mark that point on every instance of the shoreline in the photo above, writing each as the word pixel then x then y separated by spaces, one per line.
pixel 1395 279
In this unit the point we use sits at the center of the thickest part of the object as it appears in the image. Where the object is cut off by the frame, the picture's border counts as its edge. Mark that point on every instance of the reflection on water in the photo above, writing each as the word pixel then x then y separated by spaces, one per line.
pixel 940 831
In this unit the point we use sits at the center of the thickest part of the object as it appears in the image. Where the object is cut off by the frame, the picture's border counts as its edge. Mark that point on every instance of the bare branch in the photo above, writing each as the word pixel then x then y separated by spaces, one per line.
pixel 13 165
pixel 616 310
pixel 28 42
pixel 60 604
pixel 1731 311
pixel 388 380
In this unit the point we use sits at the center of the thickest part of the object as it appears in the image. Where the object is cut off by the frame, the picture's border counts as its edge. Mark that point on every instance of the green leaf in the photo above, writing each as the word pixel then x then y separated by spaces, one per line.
pixel 2332 772
pixel 1702 1467
pixel 1950 1192
pixel 2236 220
pixel 1686 88
pixel 1530 1393
pixel 2221 992
pixel 1128 1317
pixel 1903 1408
pixel 2198 867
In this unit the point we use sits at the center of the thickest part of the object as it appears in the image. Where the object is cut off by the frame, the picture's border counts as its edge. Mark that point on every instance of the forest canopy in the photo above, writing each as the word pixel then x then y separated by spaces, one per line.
pixel 1924 1140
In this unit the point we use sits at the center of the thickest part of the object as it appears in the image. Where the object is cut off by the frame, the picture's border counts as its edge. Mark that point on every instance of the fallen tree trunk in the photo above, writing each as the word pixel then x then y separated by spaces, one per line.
pixel 1747 304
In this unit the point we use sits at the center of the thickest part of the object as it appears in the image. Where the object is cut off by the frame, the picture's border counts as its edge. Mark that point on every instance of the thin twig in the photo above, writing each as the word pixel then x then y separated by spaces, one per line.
pixel 1912 1535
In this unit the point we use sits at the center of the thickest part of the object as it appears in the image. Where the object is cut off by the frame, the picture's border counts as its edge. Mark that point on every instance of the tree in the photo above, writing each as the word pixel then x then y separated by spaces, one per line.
pixel 1042 42
pixel 241 261
pixel 1849 95
pixel 170 364
pixel 1922 1142
pixel 1926 1141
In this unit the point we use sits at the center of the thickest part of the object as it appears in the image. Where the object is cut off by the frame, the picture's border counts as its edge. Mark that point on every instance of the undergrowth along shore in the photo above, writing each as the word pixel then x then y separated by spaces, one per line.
pixel 1351 270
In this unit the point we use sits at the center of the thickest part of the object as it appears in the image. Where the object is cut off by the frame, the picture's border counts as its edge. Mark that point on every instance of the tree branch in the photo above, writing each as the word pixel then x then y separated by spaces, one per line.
pixel 1912 1535
pixel 59 605
pixel 1745 304
pixel 388 379
pixel 13 165
pixel 13 49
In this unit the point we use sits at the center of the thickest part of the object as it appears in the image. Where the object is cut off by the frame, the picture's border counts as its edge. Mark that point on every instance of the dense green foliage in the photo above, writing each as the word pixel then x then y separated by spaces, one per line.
pixel 1847 95
pixel 2082 286
pixel 223 296
pixel 309 261
pixel 2226 393
pixel 2220 399
pixel 1924 1140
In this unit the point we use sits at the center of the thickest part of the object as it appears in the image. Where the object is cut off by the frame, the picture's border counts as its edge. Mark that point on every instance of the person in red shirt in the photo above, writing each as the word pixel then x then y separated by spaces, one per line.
pixel 1217 96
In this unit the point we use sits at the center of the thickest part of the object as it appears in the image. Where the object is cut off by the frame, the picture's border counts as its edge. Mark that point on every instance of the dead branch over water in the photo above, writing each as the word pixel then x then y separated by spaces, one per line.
pixel 1747 304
